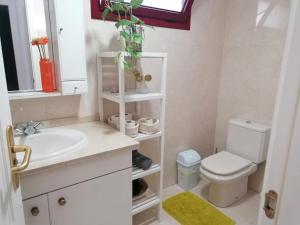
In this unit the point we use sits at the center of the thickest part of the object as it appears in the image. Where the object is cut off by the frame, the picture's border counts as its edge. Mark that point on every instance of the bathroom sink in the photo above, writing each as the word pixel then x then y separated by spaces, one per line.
pixel 52 143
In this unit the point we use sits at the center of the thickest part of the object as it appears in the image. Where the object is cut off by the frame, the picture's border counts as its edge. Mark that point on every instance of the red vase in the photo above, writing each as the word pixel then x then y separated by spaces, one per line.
pixel 46 68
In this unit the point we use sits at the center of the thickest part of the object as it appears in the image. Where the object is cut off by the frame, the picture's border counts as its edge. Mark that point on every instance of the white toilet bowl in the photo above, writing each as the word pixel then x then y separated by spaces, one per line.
pixel 228 174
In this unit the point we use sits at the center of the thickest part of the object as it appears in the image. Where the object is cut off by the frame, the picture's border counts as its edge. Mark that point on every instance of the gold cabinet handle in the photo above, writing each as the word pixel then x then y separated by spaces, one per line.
pixel 13 149
pixel 62 201
pixel 35 211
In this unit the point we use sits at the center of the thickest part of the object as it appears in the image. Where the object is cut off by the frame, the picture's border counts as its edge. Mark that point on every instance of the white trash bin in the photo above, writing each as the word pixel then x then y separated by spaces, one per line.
pixel 188 164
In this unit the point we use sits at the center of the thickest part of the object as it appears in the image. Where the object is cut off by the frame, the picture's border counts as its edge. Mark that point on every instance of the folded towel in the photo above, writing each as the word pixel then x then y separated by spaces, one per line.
pixel 141 161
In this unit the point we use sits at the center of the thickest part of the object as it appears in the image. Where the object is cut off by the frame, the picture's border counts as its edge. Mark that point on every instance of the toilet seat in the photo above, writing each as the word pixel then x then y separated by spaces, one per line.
pixel 225 167
pixel 225 163
pixel 219 179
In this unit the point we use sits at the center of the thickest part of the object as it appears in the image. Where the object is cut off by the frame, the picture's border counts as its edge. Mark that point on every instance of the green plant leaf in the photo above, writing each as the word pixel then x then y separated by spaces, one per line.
pixel 126 9
pixel 137 38
pixel 136 54
pixel 118 7
pixel 105 12
pixel 128 65
pixel 136 3
pixel 125 35
pixel 135 19
pixel 129 50
pixel 123 22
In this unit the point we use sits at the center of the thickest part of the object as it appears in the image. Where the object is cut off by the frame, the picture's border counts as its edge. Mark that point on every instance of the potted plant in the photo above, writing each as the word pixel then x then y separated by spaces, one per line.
pixel 130 27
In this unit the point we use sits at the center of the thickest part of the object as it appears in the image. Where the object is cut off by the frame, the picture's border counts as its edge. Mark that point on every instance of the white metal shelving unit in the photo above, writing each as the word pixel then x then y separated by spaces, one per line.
pixel 121 98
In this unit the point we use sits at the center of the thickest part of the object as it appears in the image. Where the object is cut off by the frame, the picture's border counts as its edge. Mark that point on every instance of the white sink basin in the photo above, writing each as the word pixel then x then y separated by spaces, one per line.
pixel 51 143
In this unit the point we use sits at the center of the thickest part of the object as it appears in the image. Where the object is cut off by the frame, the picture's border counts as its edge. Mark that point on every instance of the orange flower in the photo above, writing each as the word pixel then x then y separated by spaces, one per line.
pixel 40 41
pixel 35 41
pixel 43 41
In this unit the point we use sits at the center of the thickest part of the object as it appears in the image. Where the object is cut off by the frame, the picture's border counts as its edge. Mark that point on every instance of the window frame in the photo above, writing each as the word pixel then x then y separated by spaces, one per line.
pixel 153 16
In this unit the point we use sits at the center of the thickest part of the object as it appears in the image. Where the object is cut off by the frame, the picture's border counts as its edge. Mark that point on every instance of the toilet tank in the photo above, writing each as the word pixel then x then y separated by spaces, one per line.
pixel 248 139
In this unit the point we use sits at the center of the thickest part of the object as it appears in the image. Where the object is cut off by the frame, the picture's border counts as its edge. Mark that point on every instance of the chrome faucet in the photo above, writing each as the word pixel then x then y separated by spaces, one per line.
pixel 28 128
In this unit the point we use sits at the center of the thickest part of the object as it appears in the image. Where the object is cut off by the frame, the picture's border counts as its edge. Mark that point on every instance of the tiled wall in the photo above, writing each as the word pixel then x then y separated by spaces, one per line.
pixel 192 87
pixel 226 66
pixel 255 34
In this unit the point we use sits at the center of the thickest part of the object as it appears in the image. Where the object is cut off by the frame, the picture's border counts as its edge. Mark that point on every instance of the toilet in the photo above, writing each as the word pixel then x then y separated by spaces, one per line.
pixel 228 170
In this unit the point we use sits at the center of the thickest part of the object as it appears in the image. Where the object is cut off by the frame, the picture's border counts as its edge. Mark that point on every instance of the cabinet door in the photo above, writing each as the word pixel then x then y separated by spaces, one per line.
pixel 71 40
pixel 101 201
pixel 36 211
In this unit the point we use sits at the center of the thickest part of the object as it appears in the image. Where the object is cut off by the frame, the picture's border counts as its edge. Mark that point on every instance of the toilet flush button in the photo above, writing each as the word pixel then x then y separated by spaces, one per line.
pixel 248 121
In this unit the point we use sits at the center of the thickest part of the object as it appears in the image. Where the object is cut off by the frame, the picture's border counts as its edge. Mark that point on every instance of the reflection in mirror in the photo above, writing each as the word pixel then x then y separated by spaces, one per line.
pixel 8 50
pixel 19 25
pixel 37 28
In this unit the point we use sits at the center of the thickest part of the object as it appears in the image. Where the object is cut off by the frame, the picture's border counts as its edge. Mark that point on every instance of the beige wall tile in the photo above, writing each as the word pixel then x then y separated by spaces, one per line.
pixel 254 40
pixel 256 22
pixel 31 109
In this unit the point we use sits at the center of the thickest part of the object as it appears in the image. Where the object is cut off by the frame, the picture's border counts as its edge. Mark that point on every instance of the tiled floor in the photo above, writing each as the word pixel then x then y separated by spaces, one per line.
pixel 243 212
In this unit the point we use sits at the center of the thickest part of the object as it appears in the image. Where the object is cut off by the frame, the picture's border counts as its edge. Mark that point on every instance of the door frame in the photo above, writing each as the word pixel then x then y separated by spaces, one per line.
pixel 285 116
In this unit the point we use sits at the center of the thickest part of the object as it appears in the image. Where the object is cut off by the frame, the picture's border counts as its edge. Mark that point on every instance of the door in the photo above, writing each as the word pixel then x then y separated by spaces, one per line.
pixel 11 208
pixel 103 201
pixel 282 169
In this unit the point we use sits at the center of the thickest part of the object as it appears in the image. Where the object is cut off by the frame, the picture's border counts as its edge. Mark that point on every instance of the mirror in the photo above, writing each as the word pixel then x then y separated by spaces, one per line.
pixel 19 25
pixel 36 19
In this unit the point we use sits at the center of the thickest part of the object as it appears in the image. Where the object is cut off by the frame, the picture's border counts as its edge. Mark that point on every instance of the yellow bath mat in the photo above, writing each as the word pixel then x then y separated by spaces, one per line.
pixel 188 209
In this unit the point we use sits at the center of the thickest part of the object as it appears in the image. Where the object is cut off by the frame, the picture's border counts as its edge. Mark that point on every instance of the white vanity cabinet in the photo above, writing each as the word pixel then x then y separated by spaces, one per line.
pixel 96 201
pixel 68 36
pixel 92 191
pixel 103 201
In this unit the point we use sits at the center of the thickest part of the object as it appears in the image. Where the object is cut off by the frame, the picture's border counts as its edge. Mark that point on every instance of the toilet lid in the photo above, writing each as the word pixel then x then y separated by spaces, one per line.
pixel 225 163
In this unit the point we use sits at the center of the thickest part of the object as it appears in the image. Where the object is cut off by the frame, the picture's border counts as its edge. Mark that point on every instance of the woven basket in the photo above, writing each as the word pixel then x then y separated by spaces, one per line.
pixel 149 126
pixel 114 120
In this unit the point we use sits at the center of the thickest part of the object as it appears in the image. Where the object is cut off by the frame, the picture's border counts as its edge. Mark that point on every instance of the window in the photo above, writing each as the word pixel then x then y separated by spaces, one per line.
pixel 171 5
pixel 164 13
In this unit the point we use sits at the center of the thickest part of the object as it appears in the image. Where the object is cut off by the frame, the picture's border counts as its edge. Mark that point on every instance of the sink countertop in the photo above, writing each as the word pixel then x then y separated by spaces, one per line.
pixel 101 139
